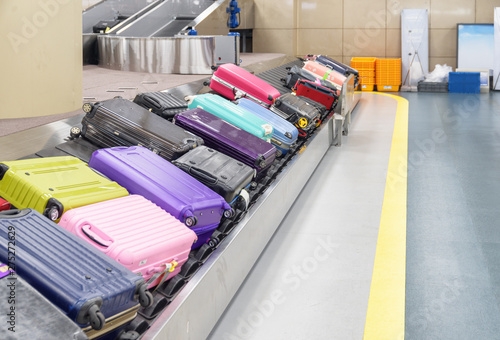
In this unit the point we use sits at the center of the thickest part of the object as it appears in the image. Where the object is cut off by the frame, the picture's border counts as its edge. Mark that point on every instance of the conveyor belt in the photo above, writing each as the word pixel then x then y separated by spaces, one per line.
pixel 274 76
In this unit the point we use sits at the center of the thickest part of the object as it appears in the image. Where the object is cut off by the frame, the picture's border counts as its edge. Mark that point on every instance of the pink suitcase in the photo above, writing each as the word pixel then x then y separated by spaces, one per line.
pixel 325 72
pixel 233 82
pixel 135 232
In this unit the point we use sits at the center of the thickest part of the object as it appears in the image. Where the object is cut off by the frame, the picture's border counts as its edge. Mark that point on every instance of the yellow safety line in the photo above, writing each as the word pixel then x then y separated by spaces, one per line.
pixel 385 317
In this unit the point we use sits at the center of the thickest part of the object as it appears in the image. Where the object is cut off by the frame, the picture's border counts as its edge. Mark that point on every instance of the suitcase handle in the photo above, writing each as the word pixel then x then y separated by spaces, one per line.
pixel 203 176
pixel 14 213
pixel 103 240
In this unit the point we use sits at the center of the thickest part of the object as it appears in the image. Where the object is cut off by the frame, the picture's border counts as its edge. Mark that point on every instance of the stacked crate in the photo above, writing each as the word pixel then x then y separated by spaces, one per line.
pixel 366 68
pixel 388 74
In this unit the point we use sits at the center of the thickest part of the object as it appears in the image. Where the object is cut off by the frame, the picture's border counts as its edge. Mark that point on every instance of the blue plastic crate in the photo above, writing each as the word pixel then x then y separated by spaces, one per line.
pixel 464 82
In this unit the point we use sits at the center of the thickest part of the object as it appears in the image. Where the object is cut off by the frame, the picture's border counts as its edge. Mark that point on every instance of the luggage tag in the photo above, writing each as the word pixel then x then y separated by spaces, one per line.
pixel 169 267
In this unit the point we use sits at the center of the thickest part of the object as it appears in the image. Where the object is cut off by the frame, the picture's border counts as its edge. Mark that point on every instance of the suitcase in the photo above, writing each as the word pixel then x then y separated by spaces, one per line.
pixel 321 108
pixel 299 112
pixel 144 243
pixel 284 133
pixel 144 173
pixel 325 72
pixel 317 93
pixel 339 67
pixel 92 289
pixel 53 185
pixel 221 173
pixel 233 82
pixel 28 315
pixel 4 205
pixel 295 73
pixel 120 122
pixel 229 139
pixel 104 26
pixel 233 114
pixel 163 104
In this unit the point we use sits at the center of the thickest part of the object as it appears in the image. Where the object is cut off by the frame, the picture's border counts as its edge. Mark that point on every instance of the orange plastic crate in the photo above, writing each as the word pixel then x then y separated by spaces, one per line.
pixel 367 87
pixel 367 80
pixel 387 88
pixel 388 71
pixel 361 63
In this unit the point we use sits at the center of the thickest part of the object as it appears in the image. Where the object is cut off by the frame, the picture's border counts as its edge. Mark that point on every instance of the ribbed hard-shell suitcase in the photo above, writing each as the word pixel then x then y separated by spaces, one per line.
pixel 91 288
pixel 229 139
pixel 325 72
pixel 339 67
pixel 233 82
pixel 317 93
pixel 285 134
pixel 163 104
pixel 144 173
pixel 144 242
pixel 29 315
pixel 53 185
pixel 233 114
pixel 298 111
pixel 221 173
pixel 120 122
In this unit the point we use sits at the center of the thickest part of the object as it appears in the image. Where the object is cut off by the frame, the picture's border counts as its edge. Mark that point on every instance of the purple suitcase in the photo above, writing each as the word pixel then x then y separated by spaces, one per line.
pixel 228 139
pixel 144 173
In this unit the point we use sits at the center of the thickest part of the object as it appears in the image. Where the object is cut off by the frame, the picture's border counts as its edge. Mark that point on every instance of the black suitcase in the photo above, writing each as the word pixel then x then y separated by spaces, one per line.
pixel 221 173
pixel 163 104
pixel 29 315
pixel 321 108
pixel 120 122
pixel 104 25
pixel 295 73
pixel 296 110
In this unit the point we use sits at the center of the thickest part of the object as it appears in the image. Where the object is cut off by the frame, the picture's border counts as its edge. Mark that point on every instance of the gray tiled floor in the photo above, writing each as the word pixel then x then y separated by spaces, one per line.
pixel 322 294
pixel 453 235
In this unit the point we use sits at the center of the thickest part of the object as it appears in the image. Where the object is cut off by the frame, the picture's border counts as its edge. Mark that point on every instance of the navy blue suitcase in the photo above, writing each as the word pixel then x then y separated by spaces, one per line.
pixel 87 285
pixel 284 133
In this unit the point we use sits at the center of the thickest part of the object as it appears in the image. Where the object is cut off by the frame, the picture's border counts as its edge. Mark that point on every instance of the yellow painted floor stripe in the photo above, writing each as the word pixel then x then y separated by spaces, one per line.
pixel 385 317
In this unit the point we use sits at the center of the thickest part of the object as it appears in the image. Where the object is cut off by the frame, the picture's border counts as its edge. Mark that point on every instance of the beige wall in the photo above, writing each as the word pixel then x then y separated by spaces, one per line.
pixel 41 59
pixel 346 28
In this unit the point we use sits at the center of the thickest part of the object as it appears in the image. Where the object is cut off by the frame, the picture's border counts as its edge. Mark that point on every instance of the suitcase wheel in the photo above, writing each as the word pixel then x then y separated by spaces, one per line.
pixel 277 102
pixel 145 296
pixel 228 213
pixel 130 335
pixel 75 132
pixel 97 319
pixel 87 107
pixel 206 83
pixel 52 213
pixel 190 221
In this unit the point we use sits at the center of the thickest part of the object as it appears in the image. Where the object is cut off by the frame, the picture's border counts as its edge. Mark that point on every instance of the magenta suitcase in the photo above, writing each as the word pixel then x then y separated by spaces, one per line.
pixel 233 82
pixel 145 173
pixel 135 232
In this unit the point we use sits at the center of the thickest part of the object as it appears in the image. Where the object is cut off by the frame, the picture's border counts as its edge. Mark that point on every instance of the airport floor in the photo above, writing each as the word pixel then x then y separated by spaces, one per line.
pixel 340 251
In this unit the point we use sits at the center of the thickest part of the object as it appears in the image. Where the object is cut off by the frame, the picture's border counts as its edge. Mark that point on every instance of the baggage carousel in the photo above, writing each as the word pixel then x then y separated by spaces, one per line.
pixel 226 264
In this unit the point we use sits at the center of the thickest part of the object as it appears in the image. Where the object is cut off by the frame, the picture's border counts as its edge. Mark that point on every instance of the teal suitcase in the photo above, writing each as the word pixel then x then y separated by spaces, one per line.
pixel 233 114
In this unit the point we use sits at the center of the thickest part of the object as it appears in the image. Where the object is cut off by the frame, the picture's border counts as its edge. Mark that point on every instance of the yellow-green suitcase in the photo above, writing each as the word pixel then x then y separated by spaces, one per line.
pixel 54 185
